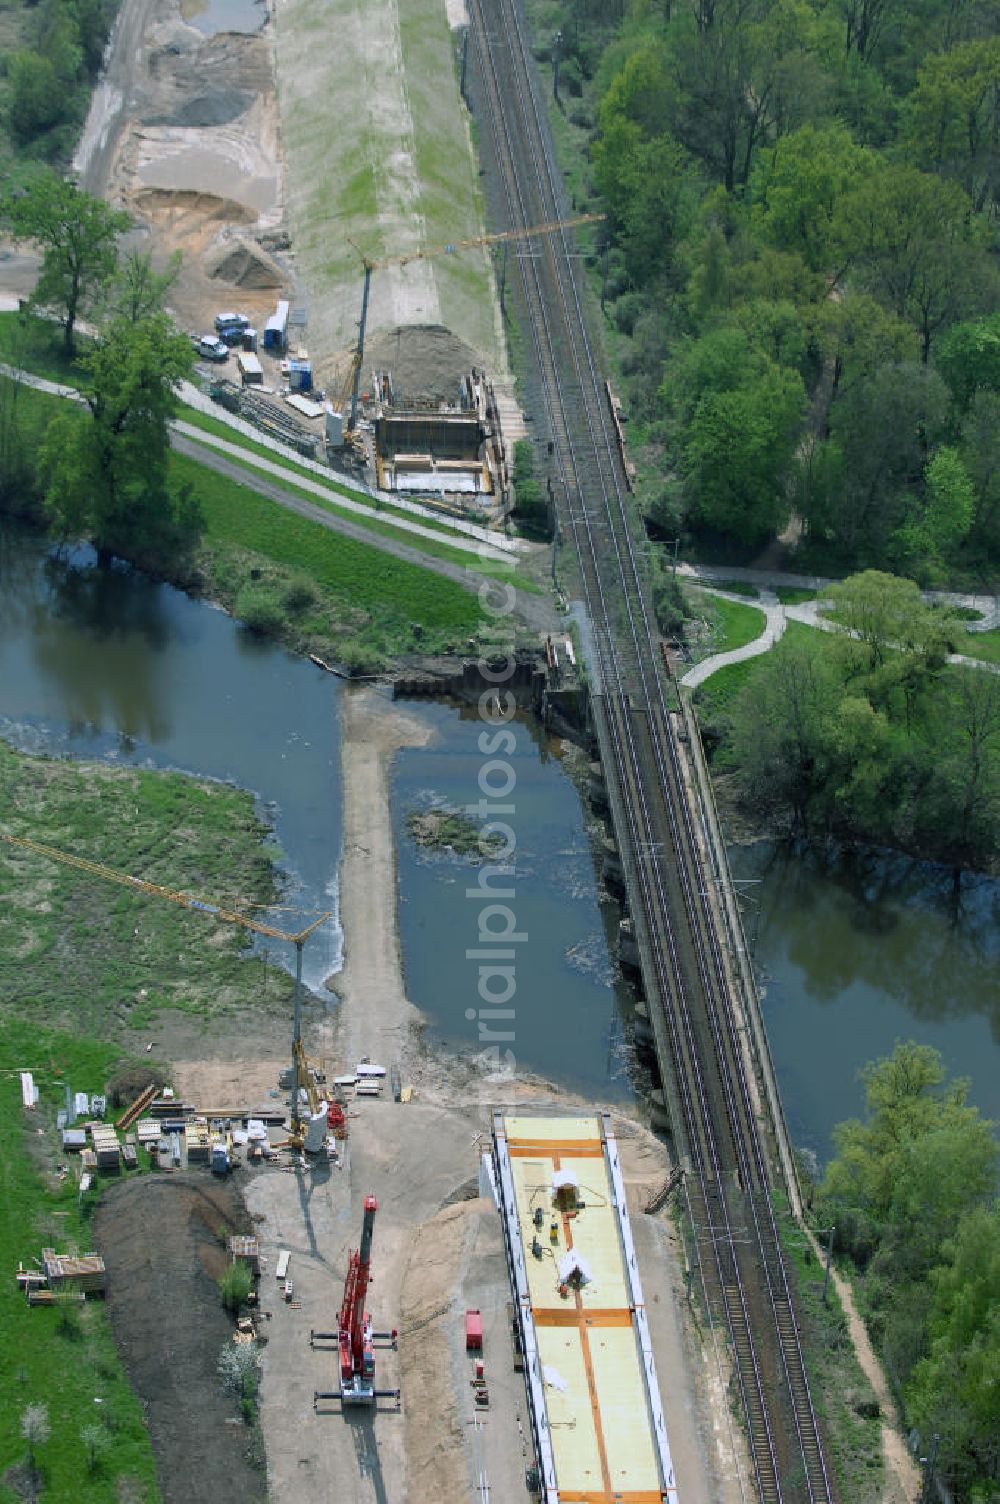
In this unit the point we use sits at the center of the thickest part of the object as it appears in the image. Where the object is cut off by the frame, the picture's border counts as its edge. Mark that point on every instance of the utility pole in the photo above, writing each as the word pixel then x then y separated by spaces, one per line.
pixel 829 1260
pixel 556 49
pixel 465 63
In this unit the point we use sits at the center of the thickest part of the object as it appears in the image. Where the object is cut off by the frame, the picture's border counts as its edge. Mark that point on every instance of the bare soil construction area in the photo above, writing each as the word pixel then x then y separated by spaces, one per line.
pixel 163 1240
pixel 273 158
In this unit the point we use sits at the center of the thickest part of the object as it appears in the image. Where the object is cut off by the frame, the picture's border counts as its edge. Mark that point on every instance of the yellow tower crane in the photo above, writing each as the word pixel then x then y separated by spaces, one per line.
pixel 300 1073
pixel 451 248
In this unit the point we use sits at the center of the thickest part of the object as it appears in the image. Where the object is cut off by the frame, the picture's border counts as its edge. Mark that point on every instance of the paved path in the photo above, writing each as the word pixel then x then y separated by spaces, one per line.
pixel 257 463
pixel 773 579
pixel 778 616
pixel 190 395
pixel 774 626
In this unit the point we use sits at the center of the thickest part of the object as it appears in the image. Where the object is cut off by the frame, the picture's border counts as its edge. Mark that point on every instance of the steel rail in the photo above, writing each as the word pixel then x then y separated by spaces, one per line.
pixel 725 1045
pixel 732 1288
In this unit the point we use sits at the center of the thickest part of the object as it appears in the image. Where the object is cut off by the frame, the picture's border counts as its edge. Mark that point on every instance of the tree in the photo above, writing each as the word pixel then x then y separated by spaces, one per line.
pixel 96 1443
pixel 910 235
pixel 797 186
pixel 885 427
pixel 138 291
pixel 968 357
pixel 739 451
pixel 35 1429
pixel 980 450
pixel 106 473
pixel 869 1186
pixel 955 1389
pixel 779 726
pixel 953 117
pixel 965 802
pixel 78 234
pixel 884 611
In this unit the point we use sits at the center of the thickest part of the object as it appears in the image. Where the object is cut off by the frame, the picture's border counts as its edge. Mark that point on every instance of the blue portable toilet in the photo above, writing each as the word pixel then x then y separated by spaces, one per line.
pixel 300 375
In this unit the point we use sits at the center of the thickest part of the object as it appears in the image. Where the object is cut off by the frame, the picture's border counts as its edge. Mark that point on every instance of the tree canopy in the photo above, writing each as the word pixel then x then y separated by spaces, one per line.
pixel 106 472
pixel 78 235
pixel 840 161
pixel 912 1193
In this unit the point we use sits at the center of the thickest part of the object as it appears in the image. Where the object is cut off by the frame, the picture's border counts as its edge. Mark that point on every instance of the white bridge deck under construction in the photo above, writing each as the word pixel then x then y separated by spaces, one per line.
pixel 599 1431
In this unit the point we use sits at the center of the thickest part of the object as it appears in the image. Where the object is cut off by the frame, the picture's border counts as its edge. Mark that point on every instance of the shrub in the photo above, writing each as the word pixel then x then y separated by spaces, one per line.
pixel 235 1286
pixel 298 597
pixel 259 611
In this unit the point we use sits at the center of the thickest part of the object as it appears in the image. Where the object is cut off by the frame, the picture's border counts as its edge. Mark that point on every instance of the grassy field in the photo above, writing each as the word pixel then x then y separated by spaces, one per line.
pixel 63 1358
pixel 985 645
pixel 395 606
pixel 713 698
pixel 77 951
pixel 731 624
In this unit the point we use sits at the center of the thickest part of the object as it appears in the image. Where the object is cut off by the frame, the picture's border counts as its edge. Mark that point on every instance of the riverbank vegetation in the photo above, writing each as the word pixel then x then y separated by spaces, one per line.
pixel 912 1193
pixel 78 952
pixel 443 829
pixel 800 282
pixel 103 470
pixel 872 736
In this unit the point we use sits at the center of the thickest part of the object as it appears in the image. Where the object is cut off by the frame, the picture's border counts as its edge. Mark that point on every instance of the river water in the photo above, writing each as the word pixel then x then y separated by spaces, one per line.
pixel 854 952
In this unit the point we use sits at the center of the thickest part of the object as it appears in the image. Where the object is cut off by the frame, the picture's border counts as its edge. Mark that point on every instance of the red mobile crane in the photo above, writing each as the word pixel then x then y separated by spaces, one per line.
pixel 354 1336
pixel 354 1332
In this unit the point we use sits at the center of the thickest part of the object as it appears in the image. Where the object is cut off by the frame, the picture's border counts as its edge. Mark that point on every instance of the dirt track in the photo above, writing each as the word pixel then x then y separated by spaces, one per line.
pixel 163 1241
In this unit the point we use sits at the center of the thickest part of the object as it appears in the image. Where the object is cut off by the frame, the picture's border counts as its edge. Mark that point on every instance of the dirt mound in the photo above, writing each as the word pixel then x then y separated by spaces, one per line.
pixel 244 264
pixel 170 204
pixel 426 361
pixel 163 1241
pixel 219 107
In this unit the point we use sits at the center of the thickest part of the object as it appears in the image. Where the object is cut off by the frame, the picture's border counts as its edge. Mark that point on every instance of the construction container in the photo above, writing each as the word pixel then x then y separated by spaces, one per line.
pixel 250 368
pixel 250 340
pixel 300 375
pixel 473 1331
pixel 220 1158
pixel 81 1104
pixel 276 328
pixel 74 1140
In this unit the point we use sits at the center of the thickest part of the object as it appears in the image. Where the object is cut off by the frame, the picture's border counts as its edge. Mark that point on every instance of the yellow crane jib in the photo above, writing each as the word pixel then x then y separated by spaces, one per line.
pixel 203 906
pixel 497 237
pixel 157 890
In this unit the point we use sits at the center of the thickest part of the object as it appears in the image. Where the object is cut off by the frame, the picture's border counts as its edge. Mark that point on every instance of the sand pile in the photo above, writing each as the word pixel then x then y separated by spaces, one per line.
pixel 244 264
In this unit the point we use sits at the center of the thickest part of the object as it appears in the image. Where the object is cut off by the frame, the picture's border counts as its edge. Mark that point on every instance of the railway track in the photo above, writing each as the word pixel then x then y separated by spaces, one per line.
pixel 688 984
